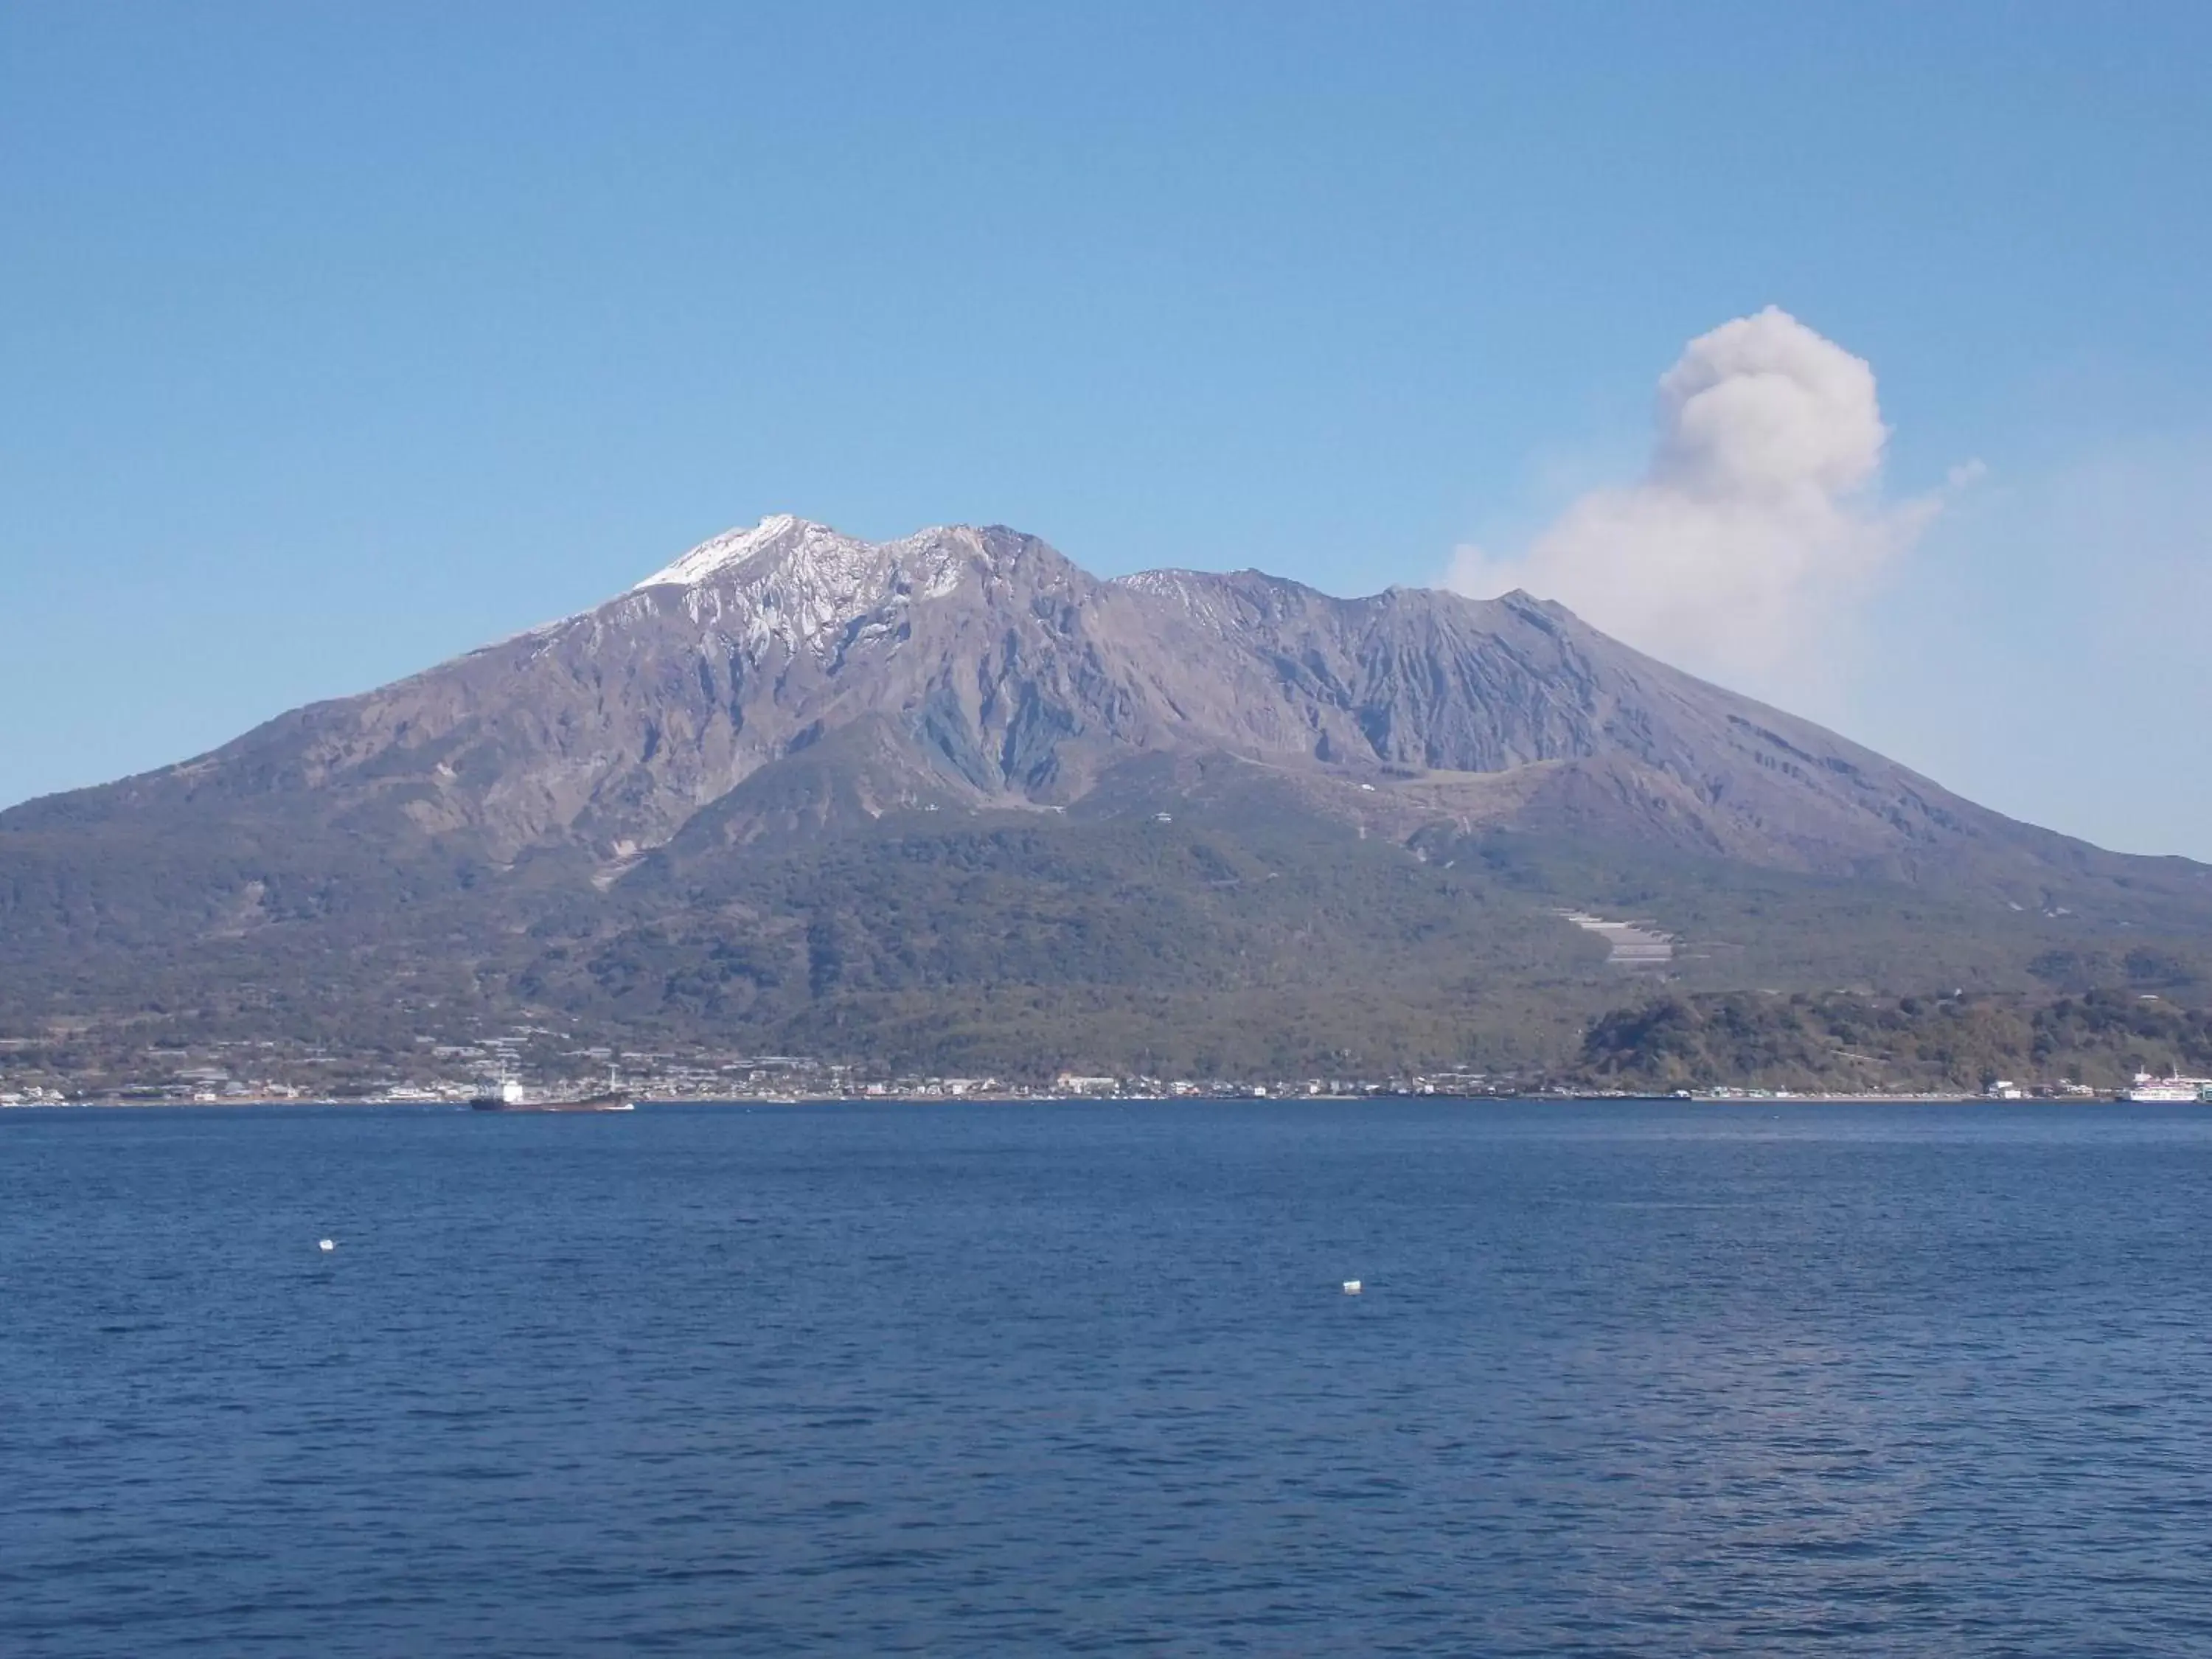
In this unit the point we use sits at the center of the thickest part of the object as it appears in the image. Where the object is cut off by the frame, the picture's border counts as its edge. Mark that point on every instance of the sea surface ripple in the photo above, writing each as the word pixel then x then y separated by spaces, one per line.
pixel 1624 1379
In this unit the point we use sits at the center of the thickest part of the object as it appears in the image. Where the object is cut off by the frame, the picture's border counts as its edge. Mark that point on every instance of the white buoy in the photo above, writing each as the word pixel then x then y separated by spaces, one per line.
pixel 1352 1288
pixel 328 1244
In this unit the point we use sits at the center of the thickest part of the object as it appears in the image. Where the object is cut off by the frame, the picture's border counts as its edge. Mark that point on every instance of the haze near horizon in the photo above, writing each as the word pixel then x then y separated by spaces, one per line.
pixel 1864 380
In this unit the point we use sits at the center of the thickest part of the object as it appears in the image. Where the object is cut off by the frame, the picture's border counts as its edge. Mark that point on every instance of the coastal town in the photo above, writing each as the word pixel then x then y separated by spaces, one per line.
pixel 547 1065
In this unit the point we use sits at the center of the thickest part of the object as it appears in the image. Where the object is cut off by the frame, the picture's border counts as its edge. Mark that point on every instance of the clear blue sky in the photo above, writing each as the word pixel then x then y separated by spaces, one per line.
pixel 338 338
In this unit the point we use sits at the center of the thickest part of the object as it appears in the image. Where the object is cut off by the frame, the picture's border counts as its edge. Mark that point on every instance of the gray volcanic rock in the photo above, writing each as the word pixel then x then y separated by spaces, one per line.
pixel 988 670
pixel 978 667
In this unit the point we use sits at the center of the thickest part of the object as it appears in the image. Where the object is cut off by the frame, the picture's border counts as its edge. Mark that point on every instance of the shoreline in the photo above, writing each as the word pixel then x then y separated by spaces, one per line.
pixel 1542 1098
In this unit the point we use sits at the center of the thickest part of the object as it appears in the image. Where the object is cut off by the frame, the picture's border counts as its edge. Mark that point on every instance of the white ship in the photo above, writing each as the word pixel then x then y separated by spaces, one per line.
pixel 2169 1090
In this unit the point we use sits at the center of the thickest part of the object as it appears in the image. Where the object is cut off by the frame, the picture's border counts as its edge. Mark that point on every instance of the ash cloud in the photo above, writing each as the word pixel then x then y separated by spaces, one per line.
pixel 1757 527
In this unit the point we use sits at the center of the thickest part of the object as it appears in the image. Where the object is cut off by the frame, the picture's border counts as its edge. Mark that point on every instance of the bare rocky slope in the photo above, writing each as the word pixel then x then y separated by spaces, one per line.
pixel 721 764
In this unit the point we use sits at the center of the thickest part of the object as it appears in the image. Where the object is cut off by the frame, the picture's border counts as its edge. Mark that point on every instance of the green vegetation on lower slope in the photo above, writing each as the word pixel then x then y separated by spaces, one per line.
pixel 1742 926
pixel 1840 1042
pixel 1232 934
pixel 1025 945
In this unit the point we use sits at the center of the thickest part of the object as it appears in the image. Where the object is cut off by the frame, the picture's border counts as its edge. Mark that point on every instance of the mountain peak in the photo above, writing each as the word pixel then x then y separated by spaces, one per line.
pixel 783 542
pixel 736 547
pixel 806 584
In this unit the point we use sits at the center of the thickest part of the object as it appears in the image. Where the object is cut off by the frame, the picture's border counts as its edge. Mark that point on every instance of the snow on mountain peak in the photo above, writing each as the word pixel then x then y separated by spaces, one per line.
pixel 1196 591
pixel 730 547
pixel 804 583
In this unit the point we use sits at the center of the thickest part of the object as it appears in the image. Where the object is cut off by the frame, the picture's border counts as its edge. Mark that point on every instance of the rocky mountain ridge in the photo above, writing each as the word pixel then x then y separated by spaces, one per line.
pixel 1015 679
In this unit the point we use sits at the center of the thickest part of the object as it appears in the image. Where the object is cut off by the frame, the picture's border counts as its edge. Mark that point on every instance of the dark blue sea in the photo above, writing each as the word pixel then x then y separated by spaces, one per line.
pixel 1624 1379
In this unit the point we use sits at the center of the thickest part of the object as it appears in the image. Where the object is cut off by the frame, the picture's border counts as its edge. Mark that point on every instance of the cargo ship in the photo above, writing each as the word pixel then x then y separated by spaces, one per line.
pixel 509 1095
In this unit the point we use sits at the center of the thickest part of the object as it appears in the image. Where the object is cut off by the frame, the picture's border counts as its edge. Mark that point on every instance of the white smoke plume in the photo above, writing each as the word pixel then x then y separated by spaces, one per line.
pixel 1757 527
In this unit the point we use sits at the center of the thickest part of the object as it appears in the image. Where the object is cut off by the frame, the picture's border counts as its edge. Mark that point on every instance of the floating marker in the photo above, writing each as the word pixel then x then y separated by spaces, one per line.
pixel 328 1244
pixel 1352 1288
